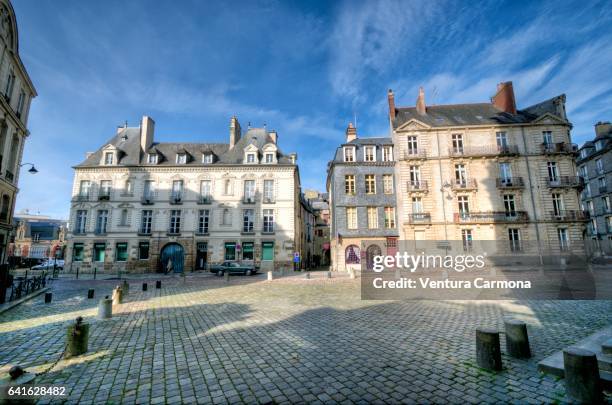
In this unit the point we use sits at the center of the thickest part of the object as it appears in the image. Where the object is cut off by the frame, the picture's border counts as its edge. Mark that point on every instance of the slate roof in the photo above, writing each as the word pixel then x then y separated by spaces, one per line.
pixel 128 142
pixel 359 143
pixel 474 114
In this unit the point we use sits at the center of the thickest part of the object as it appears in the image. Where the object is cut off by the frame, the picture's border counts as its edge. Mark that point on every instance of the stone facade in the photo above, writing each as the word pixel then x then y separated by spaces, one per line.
pixel 37 237
pixel 17 93
pixel 320 206
pixel 488 172
pixel 595 165
pixel 361 187
pixel 142 206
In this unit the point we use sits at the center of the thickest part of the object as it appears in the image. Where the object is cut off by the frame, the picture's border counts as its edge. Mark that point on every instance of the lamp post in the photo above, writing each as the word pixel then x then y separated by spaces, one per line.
pixel 32 170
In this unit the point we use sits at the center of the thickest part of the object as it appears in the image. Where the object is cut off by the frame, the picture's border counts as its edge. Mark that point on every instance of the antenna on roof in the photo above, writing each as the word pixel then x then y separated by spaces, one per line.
pixel 434 94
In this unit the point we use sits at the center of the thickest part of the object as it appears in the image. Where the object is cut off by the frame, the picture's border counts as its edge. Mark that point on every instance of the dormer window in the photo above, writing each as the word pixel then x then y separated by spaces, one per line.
pixel 152 158
pixel 387 153
pixel 598 146
pixel 109 158
pixel 269 158
pixel 181 158
pixel 369 154
pixel 349 154
pixel 250 158
pixel 207 158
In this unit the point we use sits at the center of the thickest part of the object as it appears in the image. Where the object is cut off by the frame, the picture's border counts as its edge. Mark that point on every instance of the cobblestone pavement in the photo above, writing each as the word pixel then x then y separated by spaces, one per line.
pixel 289 340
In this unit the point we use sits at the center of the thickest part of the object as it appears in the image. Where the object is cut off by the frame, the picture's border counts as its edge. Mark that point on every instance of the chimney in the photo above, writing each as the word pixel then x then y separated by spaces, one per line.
pixel 273 136
pixel 147 127
pixel 559 103
pixel 420 102
pixel 235 132
pixel 293 158
pixel 351 133
pixel 391 100
pixel 504 98
pixel 603 129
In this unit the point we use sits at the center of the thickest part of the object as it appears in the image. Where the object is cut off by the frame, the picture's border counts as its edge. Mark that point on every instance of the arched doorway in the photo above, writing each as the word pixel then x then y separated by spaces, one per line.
pixel 371 252
pixel 174 254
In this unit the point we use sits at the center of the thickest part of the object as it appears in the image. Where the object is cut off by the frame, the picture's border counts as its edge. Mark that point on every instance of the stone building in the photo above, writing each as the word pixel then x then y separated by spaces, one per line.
pixel 595 166
pixel 321 245
pixel 144 206
pixel 17 93
pixel 488 171
pixel 37 237
pixel 307 220
pixel 361 187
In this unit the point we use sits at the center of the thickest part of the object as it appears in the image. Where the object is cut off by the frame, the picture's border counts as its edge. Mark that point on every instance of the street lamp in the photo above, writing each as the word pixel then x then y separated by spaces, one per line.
pixel 32 169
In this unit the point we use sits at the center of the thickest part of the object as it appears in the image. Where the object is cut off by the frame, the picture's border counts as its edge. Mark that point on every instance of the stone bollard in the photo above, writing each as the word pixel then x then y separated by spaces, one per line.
pixel 270 276
pixel 90 293
pixel 158 284
pixel 226 276
pixel 144 286
pixel 488 352
pixel 77 338
pixel 17 376
pixel 517 340
pixel 329 275
pixel 117 296
pixel 125 287
pixel 307 275
pixel 105 308
pixel 582 375
pixel 48 297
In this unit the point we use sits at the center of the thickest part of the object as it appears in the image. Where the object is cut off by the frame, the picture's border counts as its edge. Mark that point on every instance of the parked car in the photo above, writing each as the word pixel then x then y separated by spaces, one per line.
pixel 233 268
pixel 48 265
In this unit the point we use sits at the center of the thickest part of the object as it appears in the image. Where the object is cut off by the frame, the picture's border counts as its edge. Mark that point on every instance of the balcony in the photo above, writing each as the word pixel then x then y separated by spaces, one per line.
pixel 248 199
pixel 419 218
pixel 144 232
pixel 127 194
pixel 148 198
pixel 487 150
pixel 204 199
pixel 558 148
pixel 173 232
pixel 605 211
pixel 464 184
pixel 507 183
pixel 100 231
pixel 413 154
pixel 569 216
pixel 81 197
pixel 269 200
pixel 104 196
pixel 79 232
pixel 566 181
pixel 418 186
pixel 603 189
pixel 9 176
pixel 176 198
pixel 490 217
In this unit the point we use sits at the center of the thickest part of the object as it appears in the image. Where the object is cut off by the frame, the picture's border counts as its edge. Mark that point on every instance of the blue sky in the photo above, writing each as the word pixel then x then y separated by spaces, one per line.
pixel 303 68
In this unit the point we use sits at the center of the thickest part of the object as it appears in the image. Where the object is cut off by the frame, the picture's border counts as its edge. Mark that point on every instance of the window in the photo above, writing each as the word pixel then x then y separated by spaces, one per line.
pixel 10 82
pixel 466 238
pixel 269 158
pixel 121 252
pixel 553 171
pixel 502 141
pixel 4 211
pixel 349 154
pixel 205 187
pixel 558 205
pixel 203 221
pixel 351 217
pixel 128 188
pixel 20 103
pixel 146 219
pixel 152 158
pixel 105 188
pixel 99 252
pixel 388 183
pixel 268 221
pixel 417 205
pixel 369 153
pixel 563 238
pixel 605 202
pixel 81 221
pixel 415 176
pixel 181 158
pixel 599 165
pixel 247 220
pixel 387 153
pixel 509 205
pixel 267 251
pixel 372 217
pixel 349 184
pixel 602 184
pixel 514 236
pixel 230 251
pixel 123 221
pixel 352 254
pixel 175 222
pixel 584 153
pixel 149 188
pixel 250 158
pixel 412 145
pixel 590 208
pixel 226 217
pixel 598 146
pixel 389 217
pixel 207 158
pixel 460 175
pixel 108 158
pixel 143 251
pixel 77 252
pixel 177 190
pixel 505 172
pixel 583 170
pixel 268 190
pixel 547 137
pixel 248 251
pixel 457 140
pixel 464 205
pixel 101 221
pixel 370 184
pixel 249 190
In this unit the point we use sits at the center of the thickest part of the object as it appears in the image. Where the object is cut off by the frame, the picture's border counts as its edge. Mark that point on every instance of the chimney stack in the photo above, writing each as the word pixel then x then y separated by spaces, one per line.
pixel 420 103
pixel 147 128
pixel 391 100
pixel 351 132
pixel 235 132
pixel 603 129
pixel 273 136
pixel 504 98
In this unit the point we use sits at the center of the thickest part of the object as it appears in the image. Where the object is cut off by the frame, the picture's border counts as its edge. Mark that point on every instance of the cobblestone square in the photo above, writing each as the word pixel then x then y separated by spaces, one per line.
pixel 291 340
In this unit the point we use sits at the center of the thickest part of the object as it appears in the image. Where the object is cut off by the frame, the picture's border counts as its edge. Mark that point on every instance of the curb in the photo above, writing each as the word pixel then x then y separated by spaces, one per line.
pixel 11 305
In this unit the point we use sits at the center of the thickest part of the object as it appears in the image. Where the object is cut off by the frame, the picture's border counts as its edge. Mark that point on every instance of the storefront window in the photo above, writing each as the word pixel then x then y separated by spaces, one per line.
pixel 98 252
pixel 267 251
pixel 230 251
pixel 77 252
pixel 121 252
pixel 143 250
pixel 247 251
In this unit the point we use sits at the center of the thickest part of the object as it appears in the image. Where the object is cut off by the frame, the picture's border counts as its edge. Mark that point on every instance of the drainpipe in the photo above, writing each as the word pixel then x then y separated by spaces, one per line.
pixel 441 186
pixel 533 205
